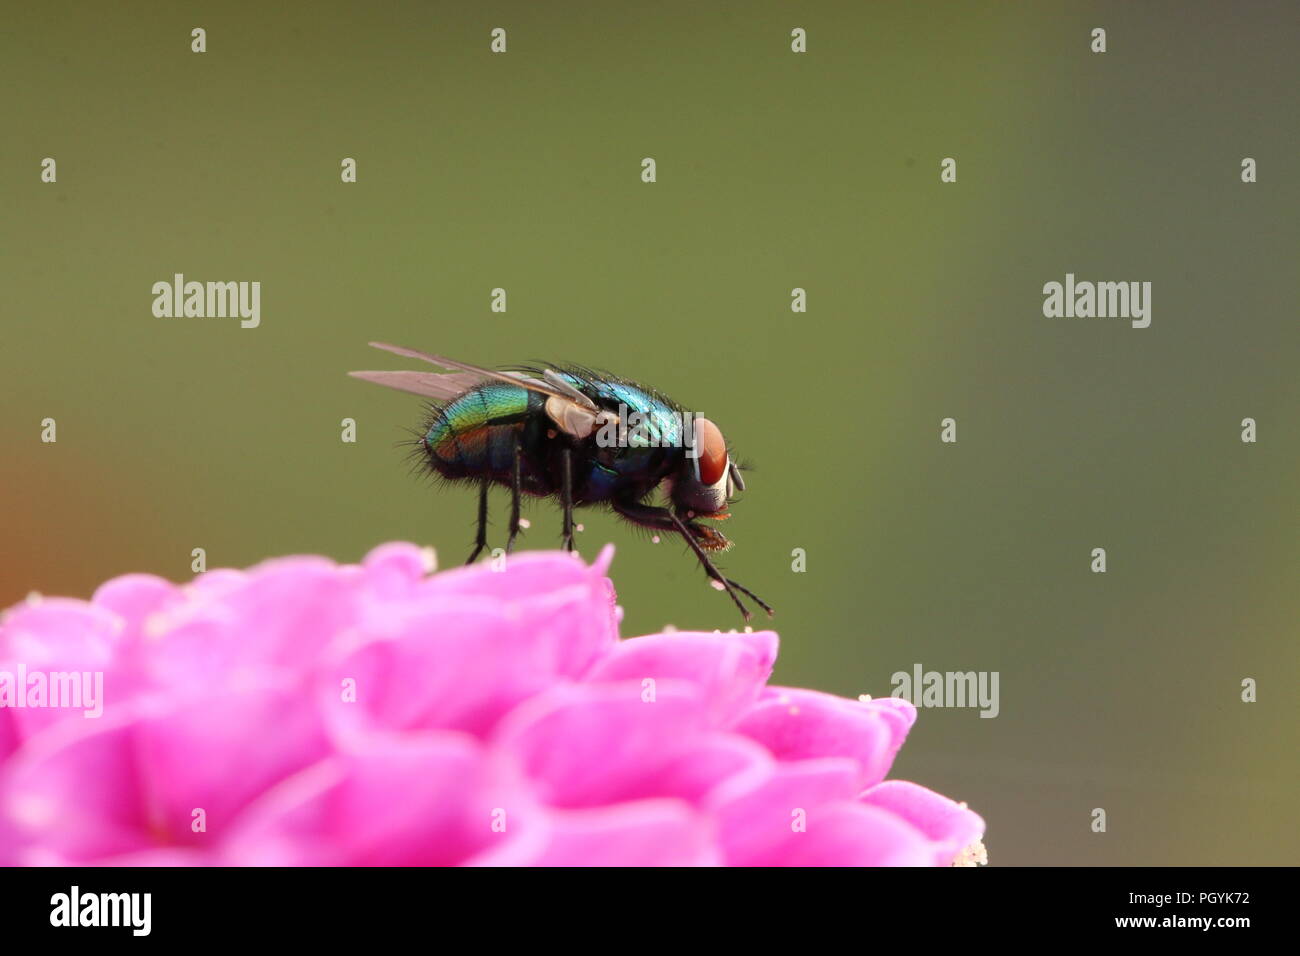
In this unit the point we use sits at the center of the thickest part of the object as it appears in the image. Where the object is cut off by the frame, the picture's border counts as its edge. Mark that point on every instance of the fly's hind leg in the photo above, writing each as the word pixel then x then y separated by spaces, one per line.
pixel 566 496
pixel 516 485
pixel 480 542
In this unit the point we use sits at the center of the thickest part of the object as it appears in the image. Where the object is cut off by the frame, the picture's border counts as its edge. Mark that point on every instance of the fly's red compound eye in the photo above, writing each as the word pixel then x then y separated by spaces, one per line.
pixel 713 451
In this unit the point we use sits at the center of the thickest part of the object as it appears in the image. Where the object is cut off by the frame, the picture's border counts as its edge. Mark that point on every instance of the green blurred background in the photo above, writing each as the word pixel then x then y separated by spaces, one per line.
pixel 775 170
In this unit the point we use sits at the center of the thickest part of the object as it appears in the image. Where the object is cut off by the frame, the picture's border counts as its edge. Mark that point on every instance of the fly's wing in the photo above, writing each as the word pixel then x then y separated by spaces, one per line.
pixel 558 383
pixel 572 411
pixel 428 384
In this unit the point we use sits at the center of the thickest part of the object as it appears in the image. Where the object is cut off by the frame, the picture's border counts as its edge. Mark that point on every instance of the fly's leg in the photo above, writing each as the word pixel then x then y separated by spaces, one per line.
pixel 648 516
pixel 711 569
pixel 516 484
pixel 566 496
pixel 481 541
pixel 748 593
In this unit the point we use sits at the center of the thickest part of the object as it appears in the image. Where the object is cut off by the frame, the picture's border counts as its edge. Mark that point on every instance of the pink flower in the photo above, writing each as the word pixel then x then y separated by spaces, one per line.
pixel 306 713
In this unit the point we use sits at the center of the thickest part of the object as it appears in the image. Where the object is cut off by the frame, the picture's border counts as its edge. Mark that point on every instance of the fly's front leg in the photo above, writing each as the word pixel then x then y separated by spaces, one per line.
pixel 648 516
pixel 480 542
pixel 730 586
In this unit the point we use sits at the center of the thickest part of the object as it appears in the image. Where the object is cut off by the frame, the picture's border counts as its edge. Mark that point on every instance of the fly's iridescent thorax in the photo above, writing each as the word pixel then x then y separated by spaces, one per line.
pixel 651 421
pixel 641 440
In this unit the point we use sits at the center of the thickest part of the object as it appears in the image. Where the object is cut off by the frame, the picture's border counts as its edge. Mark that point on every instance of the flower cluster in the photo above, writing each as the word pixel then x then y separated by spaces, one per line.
pixel 308 713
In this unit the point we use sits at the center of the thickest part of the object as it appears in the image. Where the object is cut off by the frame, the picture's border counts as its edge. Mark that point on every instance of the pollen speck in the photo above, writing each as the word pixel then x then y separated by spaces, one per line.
pixel 864 698
pixel 578 527
pixel 654 539
pixel 430 559
pixel 34 598
pixel 973 855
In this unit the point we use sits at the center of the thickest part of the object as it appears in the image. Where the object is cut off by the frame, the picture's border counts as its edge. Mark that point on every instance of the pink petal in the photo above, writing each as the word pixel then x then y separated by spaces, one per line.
pixel 528 574
pixel 135 598
pixel 453 664
pixel 57 639
pixel 393 569
pixel 154 766
pixel 641 833
pixel 949 826
pixel 290 609
pixel 216 752
pixel 8 734
pixel 757 816
pixel 586 745
pixel 800 724
pixel 568 605
pixel 693 773
pixel 217 582
pixel 281 616
pixel 426 800
pixel 729 669
pixel 61 634
pixel 47 798
pixel 852 834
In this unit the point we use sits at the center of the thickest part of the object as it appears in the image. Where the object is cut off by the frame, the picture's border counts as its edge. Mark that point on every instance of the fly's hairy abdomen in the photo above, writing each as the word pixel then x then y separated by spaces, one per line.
pixel 474 436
